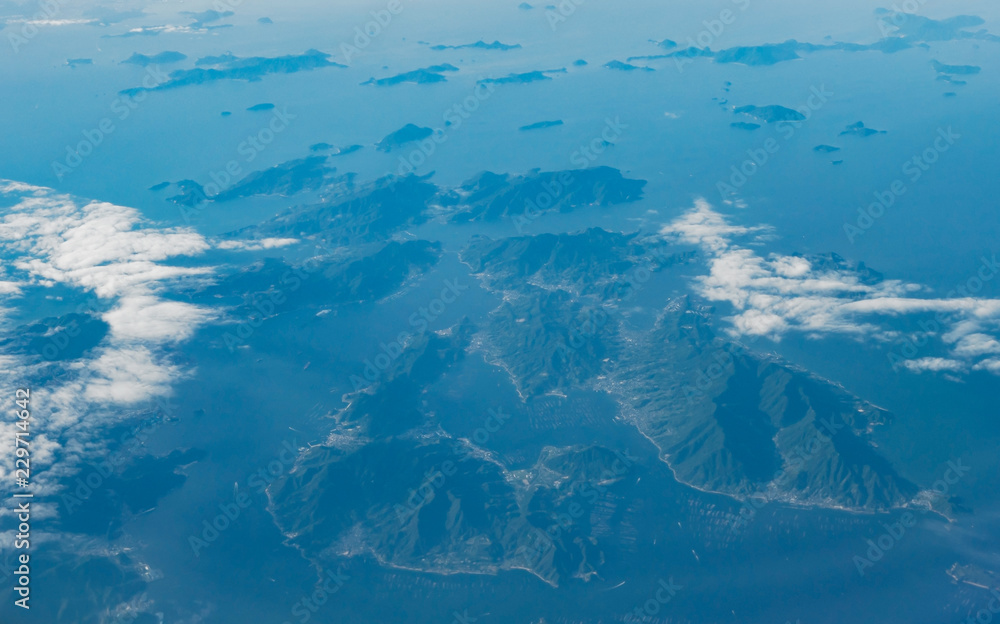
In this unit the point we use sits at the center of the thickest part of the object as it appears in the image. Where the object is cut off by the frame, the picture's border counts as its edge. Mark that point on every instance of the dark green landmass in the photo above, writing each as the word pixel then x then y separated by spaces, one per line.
pixel 370 213
pixel 492 196
pixel 443 506
pixel 286 179
pixel 328 281
pixel 733 421
pixel 592 262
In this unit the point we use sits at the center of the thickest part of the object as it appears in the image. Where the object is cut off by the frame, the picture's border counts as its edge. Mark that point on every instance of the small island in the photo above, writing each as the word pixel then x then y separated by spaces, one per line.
pixel 620 66
pixel 538 125
pixel 427 75
pixel 479 45
pixel 523 78
pixel 770 114
pixel 406 134
pixel 858 128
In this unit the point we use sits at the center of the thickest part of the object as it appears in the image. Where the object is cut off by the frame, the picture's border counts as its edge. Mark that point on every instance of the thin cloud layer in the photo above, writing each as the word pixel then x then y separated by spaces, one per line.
pixel 256 245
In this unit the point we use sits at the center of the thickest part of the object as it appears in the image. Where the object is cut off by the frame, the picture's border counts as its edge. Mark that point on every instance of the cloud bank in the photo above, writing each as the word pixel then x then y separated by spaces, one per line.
pixel 773 295
pixel 111 252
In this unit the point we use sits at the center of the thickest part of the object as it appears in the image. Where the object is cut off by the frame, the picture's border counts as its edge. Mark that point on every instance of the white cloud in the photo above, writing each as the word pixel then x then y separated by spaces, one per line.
pixel 973 345
pixel 257 245
pixel 106 249
pixel 101 247
pixel 49 238
pixel 37 21
pixel 934 364
pixel 703 226
pixel 156 30
pixel 992 365
pixel 147 318
pixel 129 376
pixel 772 295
